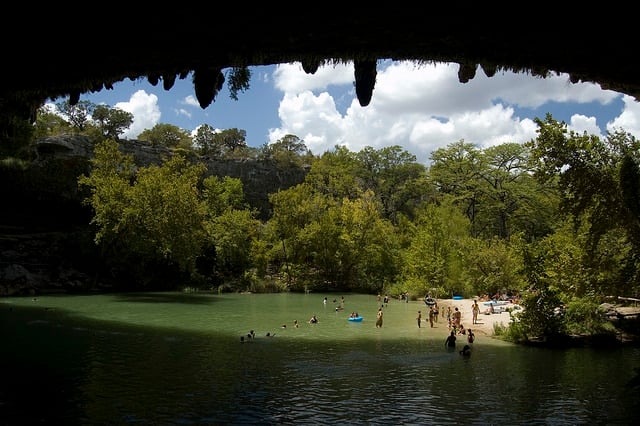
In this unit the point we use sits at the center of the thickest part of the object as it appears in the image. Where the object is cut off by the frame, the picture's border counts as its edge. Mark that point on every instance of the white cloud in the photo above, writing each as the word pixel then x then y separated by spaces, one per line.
pixel 629 118
pixel 191 101
pixel 424 107
pixel 145 110
pixel 580 124
pixel 291 78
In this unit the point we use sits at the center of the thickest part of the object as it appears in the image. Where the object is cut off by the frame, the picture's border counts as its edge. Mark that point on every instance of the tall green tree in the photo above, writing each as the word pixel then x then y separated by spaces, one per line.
pixel 205 141
pixel 111 122
pixel 151 217
pixel 492 266
pixel 294 209
pixel 593 178
pixel 433 259
pixel 457 170
pixel 336 174
pixel 289 151
pixel 351 247
pixel 397 179
pixel 167 135
pixel 229 141
pixel 77 115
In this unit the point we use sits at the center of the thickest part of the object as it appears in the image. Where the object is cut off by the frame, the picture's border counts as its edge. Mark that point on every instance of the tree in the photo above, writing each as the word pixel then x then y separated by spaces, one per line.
pixel 112 122
pixel 492 266
pixel 48 123
pixel 77 115
pixel 221 194
pixel 457 170
pixel 166 135
pixel 432 260
pixel 294 209
pixel 289 151
pixel 239 79
pixel 336 174
pixel 233 233
pixel 230 140
pixel 597 187
pixel 152 217
pixel 396 178
pixel 205 141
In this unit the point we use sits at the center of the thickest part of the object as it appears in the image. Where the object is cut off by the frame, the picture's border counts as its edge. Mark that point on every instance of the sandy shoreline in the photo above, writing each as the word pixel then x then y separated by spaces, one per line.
pixel 484 326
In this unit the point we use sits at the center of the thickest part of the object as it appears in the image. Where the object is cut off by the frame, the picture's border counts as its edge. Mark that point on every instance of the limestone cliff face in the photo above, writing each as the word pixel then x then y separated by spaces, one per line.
pixel 260 178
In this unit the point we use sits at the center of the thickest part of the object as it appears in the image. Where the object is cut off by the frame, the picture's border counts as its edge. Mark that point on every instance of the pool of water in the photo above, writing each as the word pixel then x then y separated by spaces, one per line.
pixel 173 358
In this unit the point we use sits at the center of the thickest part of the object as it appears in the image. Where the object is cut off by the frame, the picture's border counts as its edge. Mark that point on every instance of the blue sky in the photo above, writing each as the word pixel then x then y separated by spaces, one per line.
pixel 421 107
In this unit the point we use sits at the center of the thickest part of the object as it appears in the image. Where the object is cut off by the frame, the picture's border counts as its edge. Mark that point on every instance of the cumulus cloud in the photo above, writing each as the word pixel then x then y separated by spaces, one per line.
pixel 424 106
pixel 145 110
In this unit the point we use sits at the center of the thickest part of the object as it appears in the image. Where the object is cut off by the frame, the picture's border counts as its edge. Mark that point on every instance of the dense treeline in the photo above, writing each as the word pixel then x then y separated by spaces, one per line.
pixel 554 220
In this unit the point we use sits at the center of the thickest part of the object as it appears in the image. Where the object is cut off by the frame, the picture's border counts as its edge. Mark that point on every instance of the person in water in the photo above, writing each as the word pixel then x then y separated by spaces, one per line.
pixel 470 336
pixel 466 350
pixel 313 320
pixel 451 340
pixel 379 316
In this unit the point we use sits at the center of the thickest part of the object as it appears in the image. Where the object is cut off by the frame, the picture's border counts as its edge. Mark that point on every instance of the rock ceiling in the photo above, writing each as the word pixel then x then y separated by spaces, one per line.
pixel 63 52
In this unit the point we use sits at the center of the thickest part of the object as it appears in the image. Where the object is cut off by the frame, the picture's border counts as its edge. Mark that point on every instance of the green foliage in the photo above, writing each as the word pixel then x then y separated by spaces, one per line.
pixel 221 194
pixel 492 266
pixel 233 233
pixel 564 256
pixel 289 151
pixel 542 315
pixel 112 122
pixel 398 181
pixel 629 177
pixel 239 79
pixel 433 257
pixel 166 135
pixel 205 141
pixel 78 115
pixel 478 221
pixel 232 139
pixel 584 316
pixel 335 174
pixel 49 124
pixel 153 215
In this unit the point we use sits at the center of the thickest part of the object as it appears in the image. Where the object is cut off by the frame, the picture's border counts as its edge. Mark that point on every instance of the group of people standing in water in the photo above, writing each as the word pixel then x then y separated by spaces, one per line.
pixel 454 322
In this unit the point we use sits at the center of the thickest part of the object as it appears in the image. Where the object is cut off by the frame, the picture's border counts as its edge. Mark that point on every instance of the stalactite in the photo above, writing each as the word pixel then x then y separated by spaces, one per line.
pixel 168 80
pixel 310 66
pixel 466 72
pixel 207 83
pixel 365 73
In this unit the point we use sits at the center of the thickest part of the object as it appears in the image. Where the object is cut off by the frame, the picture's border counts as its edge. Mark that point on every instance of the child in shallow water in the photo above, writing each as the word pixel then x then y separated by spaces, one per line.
pixel 470 336
pixel 466 350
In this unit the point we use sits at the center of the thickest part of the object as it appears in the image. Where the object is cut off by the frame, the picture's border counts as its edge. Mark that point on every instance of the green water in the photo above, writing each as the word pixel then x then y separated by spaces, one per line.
pixel 173 358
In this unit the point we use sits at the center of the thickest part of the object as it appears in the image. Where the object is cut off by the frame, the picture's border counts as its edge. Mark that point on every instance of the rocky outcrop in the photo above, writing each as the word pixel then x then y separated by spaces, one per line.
pixel 260 178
